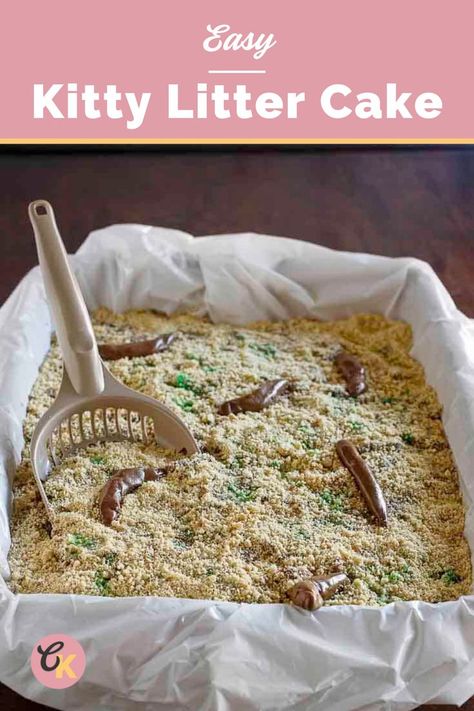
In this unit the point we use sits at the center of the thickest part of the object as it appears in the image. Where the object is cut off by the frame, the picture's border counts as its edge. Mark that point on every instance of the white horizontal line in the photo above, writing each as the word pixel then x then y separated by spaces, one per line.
pixel 237 71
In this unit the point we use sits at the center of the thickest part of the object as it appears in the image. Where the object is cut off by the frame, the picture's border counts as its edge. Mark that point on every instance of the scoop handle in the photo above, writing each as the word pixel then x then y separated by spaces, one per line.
pixel 73 326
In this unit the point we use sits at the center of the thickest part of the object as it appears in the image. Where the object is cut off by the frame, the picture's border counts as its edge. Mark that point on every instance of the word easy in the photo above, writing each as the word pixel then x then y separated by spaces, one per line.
pixel 221 38
pixel 111 103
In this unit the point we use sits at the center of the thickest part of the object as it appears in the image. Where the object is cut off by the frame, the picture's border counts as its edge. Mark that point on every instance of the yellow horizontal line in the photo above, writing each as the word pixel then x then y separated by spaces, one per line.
pixel 226 141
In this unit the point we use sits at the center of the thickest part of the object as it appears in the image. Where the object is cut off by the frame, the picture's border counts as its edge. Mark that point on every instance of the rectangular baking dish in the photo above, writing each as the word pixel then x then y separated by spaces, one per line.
pixel 154 653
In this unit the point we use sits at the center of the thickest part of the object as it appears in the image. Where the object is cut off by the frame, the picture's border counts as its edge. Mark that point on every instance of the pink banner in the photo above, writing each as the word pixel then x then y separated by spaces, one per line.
pixel 308 70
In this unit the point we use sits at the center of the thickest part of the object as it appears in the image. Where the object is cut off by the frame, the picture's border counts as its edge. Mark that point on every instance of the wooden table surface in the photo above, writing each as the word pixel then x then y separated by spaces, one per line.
pixel 394 201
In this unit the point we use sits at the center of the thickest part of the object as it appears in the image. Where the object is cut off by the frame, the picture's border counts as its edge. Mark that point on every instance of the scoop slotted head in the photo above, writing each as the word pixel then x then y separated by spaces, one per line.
pixel 92 406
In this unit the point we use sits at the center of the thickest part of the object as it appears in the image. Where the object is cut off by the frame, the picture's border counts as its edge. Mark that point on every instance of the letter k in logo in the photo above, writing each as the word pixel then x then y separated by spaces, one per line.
pixel 64 667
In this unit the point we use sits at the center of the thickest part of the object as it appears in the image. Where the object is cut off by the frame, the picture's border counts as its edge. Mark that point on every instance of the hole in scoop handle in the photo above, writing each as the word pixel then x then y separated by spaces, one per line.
pixel 73 326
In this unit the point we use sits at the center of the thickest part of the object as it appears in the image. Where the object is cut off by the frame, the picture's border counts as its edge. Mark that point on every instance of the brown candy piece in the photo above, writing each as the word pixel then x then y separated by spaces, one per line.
pixel 311 594
pixel 114 351
pixel 353 373
pixel 119 485
pixel 306 594
pixel 258 399
pixel 365 479
pixel 154 474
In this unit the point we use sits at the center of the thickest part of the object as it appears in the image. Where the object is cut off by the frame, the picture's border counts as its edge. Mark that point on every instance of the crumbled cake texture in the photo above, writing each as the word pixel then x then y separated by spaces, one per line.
pixel 267 502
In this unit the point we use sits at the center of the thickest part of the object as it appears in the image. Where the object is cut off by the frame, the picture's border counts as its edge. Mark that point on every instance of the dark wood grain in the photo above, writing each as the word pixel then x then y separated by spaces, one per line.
pixel 397 202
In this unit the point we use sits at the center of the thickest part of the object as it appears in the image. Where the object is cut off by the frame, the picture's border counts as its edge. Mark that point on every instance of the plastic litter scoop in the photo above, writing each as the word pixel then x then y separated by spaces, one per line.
pixel 91 406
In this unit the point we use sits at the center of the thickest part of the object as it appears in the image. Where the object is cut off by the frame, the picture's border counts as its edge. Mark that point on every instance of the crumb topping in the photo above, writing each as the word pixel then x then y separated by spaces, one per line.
pixel 267 502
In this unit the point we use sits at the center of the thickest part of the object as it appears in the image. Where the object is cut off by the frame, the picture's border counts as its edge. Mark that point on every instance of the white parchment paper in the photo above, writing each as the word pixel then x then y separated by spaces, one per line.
pixel 154 653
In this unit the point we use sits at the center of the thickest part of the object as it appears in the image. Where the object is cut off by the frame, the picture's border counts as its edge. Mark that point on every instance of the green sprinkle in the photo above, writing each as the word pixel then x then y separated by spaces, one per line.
pixel 110 558
pixel 186 405
pixel 241 494
pixel 97 460
pixel 102 583
pixel 394 576
pixel 307 442
pixel 266 349
pixel 301 533
pixel 449 577
pixel 182 381
pixel 335 502
pixel 275 464
pixel 209 368
pixel 408 438
pixel 356 426
pixel 77 539
pixel 388 400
